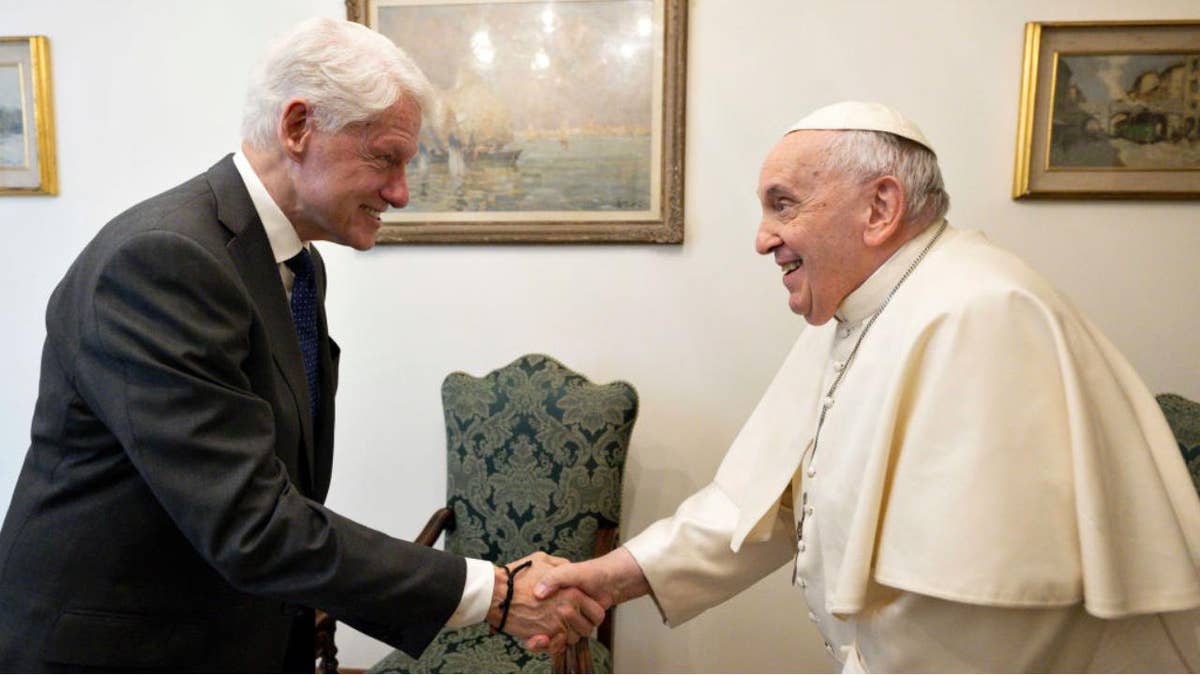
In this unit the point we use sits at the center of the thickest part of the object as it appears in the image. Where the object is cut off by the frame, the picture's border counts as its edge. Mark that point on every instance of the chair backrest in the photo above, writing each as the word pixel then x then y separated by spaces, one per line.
pixel 1183 416
pixel 535 454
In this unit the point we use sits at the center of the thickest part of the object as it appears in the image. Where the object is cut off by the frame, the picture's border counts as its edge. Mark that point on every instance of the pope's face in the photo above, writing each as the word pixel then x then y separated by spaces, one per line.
pixel 348 177
pixel 812 223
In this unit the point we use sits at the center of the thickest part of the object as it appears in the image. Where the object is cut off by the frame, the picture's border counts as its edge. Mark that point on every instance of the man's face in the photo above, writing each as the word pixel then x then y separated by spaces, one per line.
pixel 812 223
pixel 347 178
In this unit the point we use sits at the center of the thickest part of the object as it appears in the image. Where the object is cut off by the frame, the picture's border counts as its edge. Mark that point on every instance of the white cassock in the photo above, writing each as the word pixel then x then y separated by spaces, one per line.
pixel 994 488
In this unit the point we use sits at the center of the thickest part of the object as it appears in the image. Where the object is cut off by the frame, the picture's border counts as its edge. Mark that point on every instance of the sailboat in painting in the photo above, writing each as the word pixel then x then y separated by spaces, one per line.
pixel 472 124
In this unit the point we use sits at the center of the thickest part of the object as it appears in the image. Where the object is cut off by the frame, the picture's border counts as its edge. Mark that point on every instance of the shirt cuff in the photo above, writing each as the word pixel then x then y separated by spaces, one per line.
pixel 476 596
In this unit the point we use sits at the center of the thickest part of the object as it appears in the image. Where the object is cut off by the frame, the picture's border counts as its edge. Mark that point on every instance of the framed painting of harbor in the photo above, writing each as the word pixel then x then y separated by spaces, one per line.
pixel 1110 110
pixel 550 121
pixel 27 165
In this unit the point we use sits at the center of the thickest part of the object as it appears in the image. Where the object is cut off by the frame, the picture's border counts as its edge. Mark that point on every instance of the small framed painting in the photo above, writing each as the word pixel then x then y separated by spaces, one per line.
pixel 1110 110
pixel 552 121
pixel 27 165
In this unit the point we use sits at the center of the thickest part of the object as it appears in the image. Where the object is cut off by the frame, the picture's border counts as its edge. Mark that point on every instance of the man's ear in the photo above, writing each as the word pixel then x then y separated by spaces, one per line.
pixel 295 128
pixel 886 211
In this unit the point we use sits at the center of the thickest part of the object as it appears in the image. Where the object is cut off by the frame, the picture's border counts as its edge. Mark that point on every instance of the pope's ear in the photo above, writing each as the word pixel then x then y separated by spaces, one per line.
pixel 886 211
pixel 295 127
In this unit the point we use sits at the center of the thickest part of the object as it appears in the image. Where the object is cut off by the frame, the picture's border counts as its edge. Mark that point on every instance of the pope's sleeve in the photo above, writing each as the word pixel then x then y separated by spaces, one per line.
pixel 688 560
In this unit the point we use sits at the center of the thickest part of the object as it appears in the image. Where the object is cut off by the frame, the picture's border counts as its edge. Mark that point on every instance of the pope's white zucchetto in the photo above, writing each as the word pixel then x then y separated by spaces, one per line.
pixel 860 116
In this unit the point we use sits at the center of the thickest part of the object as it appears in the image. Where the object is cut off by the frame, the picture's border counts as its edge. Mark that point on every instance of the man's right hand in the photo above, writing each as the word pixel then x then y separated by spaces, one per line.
pixel 548 623
pixel 608 580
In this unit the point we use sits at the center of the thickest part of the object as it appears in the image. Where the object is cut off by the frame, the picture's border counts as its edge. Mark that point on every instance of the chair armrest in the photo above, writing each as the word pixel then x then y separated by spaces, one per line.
pixel 606 541
pixel 442 520
pixel 439 522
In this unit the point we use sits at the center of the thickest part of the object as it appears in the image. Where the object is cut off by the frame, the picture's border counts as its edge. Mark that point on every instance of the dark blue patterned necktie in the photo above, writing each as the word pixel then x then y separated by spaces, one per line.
pixel 304 315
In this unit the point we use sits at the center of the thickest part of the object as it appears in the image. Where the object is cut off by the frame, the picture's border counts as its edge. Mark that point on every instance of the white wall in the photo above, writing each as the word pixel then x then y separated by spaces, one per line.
pixel 149 93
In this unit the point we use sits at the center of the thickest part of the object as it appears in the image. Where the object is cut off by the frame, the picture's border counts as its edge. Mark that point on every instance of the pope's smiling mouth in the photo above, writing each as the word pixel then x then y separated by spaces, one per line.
pixel 788 268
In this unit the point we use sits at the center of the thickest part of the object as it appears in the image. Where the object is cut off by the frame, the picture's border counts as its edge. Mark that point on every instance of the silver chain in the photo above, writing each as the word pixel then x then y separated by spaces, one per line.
pixel 827 402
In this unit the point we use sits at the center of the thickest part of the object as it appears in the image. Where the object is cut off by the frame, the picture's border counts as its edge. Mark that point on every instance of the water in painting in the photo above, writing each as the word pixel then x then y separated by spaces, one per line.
pixel 1126 111
pixel 538 107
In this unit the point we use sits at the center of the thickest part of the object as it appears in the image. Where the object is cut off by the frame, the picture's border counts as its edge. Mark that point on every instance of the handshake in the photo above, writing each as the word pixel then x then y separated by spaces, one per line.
pixel 550 603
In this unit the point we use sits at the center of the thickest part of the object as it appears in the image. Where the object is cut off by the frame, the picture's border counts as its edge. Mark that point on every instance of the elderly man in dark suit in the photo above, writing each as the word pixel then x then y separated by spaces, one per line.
pixel 169 512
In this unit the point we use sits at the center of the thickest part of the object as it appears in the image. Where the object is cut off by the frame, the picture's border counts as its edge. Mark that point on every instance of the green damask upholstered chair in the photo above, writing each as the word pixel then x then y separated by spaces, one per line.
pixel 1184 418
pixel 535 455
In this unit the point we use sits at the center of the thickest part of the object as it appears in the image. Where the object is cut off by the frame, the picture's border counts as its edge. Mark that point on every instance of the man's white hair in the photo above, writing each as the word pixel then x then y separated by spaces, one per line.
pixel 347 72
pixel 867 155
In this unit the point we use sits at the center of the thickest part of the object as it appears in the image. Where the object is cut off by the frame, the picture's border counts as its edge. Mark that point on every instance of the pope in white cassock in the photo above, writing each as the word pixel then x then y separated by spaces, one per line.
pixel 965 474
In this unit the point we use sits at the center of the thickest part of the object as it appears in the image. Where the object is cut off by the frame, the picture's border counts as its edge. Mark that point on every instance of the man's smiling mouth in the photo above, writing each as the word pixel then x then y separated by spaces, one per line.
pixel 788 268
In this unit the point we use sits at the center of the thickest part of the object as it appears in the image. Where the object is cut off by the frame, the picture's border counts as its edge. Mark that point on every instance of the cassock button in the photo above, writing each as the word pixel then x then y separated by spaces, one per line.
pixel 812 617
pixel 829 648
pixel 808 510
pixel 812 471
pixel 803 584
pixel 800 546
pixel 839 365
pixel 827 401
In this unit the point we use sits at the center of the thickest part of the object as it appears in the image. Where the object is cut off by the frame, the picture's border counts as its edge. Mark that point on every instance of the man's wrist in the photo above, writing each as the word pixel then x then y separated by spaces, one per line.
pixel 499 588
pixel 478 589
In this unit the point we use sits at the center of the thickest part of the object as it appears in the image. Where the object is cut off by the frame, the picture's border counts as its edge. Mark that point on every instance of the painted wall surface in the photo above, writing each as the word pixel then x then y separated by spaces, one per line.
pixel 149 93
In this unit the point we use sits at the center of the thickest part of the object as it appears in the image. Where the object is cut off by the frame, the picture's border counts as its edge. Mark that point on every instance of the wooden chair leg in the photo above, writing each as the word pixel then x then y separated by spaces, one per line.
pixel 576 659
pixel 326 646
pixel 606 541
pixel 583 657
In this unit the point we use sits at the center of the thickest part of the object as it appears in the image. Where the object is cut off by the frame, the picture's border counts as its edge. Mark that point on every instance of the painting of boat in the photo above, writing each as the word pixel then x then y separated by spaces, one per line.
pixel 537 107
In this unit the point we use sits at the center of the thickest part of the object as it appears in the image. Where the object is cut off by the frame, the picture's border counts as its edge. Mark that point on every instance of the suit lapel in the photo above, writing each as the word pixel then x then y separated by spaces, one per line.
pixel 251 252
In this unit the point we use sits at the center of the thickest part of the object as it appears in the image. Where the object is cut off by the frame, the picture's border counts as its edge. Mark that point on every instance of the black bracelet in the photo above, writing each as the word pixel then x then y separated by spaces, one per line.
pixel 508 595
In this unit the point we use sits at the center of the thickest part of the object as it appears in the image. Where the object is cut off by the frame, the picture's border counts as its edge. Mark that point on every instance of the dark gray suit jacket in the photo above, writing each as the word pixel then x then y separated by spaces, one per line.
pixel 168 515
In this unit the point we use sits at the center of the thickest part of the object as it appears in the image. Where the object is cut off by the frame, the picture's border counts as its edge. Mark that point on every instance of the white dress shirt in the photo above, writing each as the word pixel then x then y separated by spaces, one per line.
pixel 477 591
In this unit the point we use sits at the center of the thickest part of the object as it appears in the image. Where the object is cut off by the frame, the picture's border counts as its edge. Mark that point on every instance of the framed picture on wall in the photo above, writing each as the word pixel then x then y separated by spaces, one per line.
pixel 551 121
pixel 26 118
pixel 1111 110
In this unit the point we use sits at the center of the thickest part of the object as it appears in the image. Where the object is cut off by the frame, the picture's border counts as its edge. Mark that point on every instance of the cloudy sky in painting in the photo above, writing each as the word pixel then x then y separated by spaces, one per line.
pixel 552 64
pixel 1106 77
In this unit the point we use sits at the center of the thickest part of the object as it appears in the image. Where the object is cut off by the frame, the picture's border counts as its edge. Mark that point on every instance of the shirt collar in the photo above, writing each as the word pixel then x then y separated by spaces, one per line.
pixel 871 293
pixel 285 243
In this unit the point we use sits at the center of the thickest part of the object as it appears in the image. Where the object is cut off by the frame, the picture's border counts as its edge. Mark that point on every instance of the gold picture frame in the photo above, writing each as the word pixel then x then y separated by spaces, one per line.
pixel 1109 110
pixel 27 151
pixel 555 122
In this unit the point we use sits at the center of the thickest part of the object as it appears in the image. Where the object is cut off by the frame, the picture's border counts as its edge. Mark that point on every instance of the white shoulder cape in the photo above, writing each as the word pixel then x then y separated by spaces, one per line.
pixel 989 445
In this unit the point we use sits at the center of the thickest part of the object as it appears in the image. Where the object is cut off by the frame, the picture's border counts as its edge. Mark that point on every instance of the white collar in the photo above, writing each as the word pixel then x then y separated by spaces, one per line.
pixel 285 243
pixel 867 298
